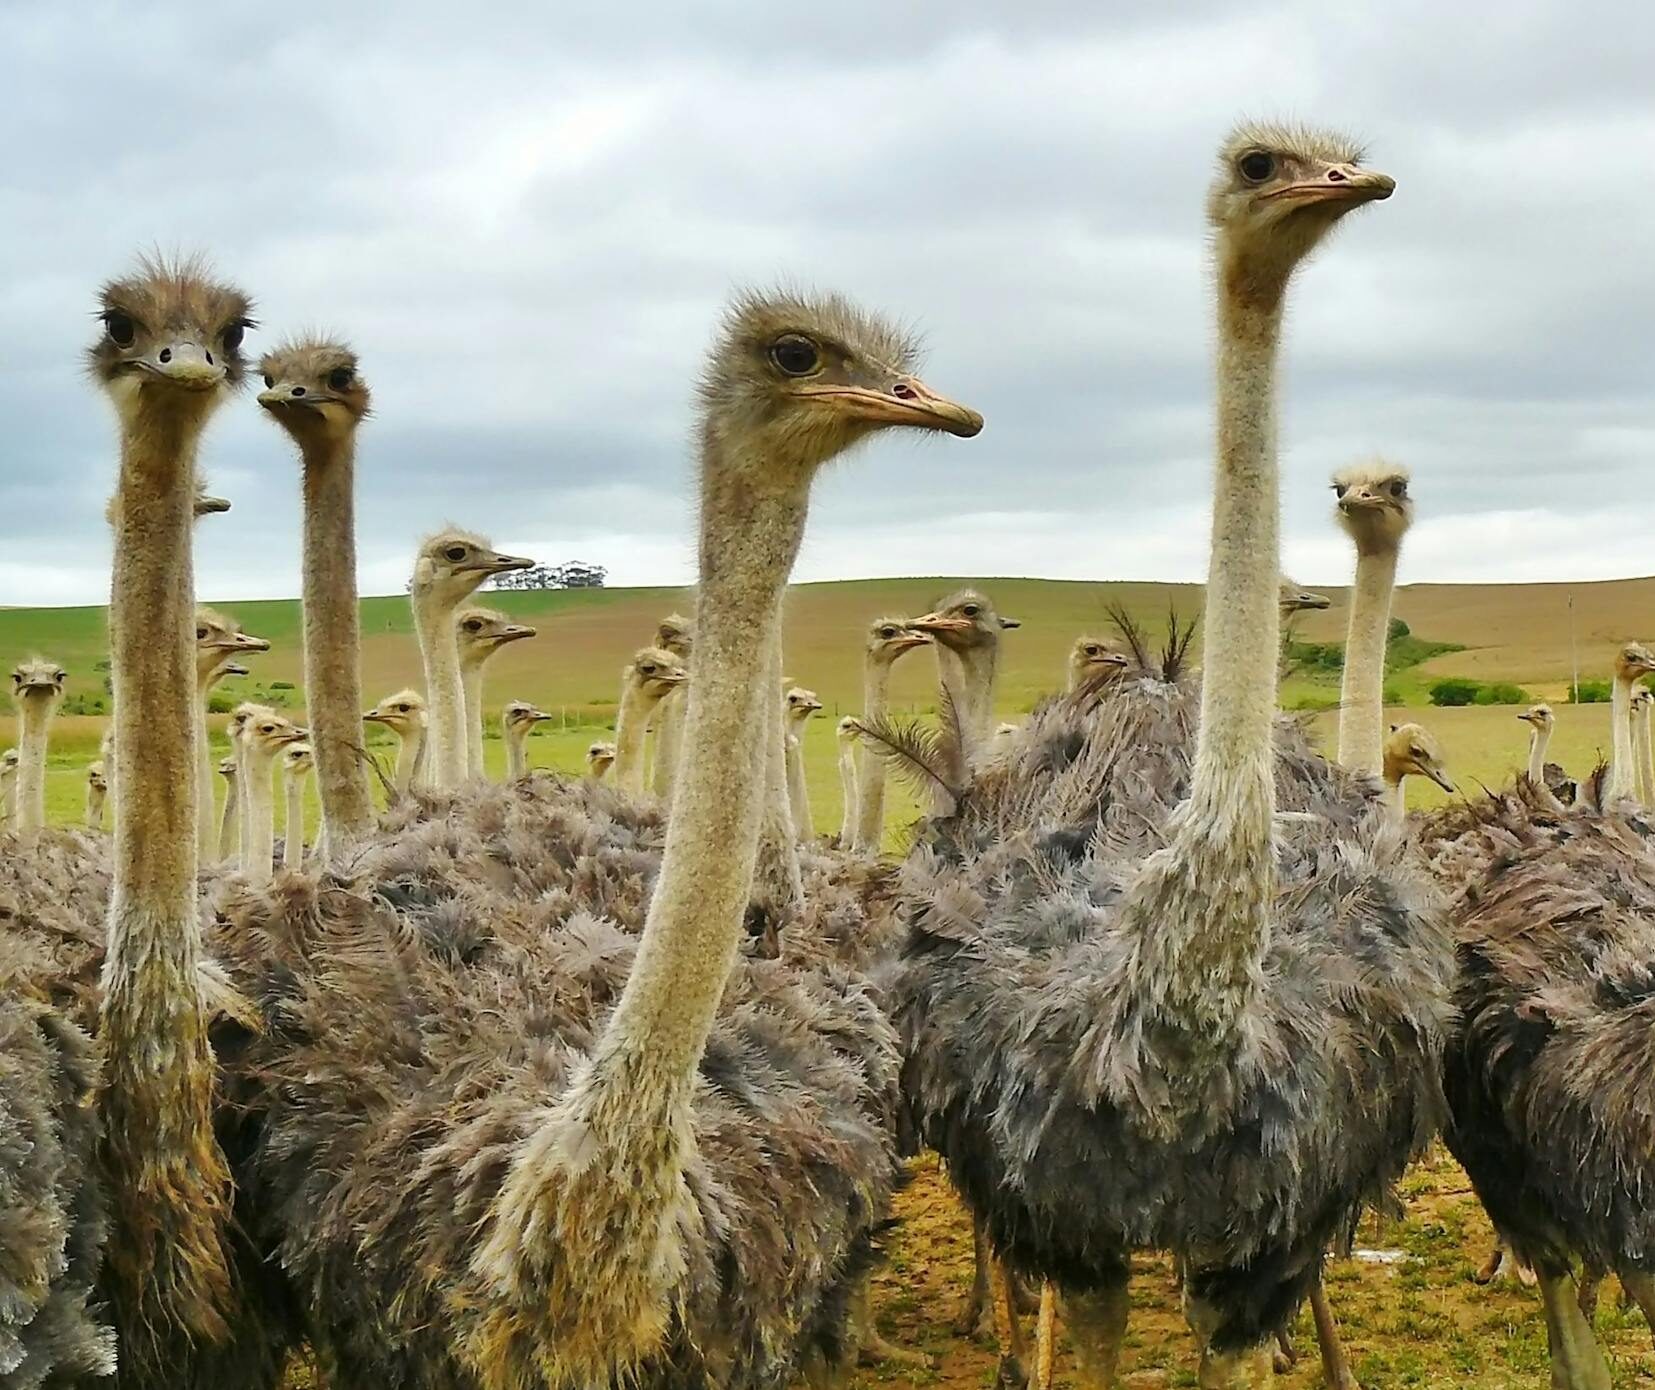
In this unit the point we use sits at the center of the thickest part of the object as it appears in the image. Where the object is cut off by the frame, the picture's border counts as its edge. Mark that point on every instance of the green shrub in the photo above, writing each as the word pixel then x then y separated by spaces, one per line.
pixel 85 704
pixel 1392 696
pixel 1503 693
pixel 1314 702
pixel 1398 628
pixel 221 701
pixel 281 685
pixel 1316 656
pixel 1455 691
pixel 1590 693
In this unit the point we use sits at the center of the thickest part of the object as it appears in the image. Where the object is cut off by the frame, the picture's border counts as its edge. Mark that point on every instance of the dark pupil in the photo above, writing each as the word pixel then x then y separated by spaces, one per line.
pixel 269 380
pixel 970 612
pixel 120 329
pixel 233 336
pixel 455 553
pixel 1397 489
pixel 339 379
pixel 1257 166
pixel 795 356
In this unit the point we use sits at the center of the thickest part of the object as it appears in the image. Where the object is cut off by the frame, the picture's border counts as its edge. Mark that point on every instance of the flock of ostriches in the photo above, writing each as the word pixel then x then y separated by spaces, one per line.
pixel 582 1082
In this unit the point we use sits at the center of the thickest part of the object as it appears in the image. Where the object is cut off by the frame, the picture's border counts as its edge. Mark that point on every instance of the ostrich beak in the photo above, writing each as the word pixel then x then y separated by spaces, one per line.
pixel 909 640
pixel 286 393
pixel 207 506
pixel 233 668
pixel 1349 184
pixel 516 632
pixel 1442 779
pixel 906 400
pixel 501 564
pixel 373 716
pixel 184 363
pixel 937 622
pixel 1311 602
pixel 295 736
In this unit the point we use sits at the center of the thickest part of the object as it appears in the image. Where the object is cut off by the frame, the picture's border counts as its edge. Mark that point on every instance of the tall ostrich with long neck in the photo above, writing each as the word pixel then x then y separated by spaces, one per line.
pixel 313 388
pixel 1190 1086
pixel 168 354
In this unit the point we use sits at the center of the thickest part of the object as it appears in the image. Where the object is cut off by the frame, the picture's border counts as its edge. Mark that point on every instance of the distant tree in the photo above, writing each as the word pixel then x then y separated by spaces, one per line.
pixel 577 574
pixel 574 574
pixel 1455 691
pixel 1590 693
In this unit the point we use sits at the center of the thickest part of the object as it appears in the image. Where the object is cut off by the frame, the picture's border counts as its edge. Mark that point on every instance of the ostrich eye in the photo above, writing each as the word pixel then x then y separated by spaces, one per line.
pixel 269 381
pixel 201 634
pixel 1091 651
pixel 647 670
pixel 339 379
pixel 454 553
pixel 795 354
pixel 120 328
pixel 887 632
pixel 1340 489
pixel 403 709
pixel 233 335
pixel 1399 488
pixel 1256 166
pixel 473 626
pixel 971 610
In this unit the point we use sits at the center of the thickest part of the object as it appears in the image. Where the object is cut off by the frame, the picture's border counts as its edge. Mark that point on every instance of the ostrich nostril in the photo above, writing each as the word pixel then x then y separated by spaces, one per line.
pixel 1336 176
pixel 210 359
pixel 166 354
pixel 298 390
pixel 904 390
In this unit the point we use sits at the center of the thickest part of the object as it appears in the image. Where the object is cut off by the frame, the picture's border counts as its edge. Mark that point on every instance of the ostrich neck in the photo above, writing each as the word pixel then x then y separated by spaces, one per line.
pixel 517 752
pixel 630 720
pixel 293 827
pixel 444 690
pixel 36 719
pixel 244 830
pixel 471 682
pixel 778 884
pixel 969 679
pixel 1623 777
pixel 333 642
pixel 94 808
pixel 1362 690
pixel 411 751
pixel 798 791
pixel 1538 739
pixel 748 544
pixel 1640 752
pixel 848 792
pixel 870 791
pixel 204 767
pixel 260 816
pixel 669 739
pixel 229 826
pixel 1201 905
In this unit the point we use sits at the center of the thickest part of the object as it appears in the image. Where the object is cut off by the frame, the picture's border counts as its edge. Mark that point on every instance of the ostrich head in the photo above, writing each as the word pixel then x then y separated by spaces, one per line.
pixel 451 564
pixel 801 704
pixel 520 715
pixel 1092 660
pixel 600 757
pixel 1277 192
pixel 96 781
pixel 484 631
pixel 9 761
pixel 801 379
pixel 1373 505
pixel 297 759
pixel 403 713
pixel 314 390
pixel 265 733
pixel 208 505
pixel 171 342
pixel 1634 661
pixel 1538 717
pixel 889 638
pixel 848 730
pixel 38 682
pixel 964 622
pixel 1297 600
pixel 1642 699
pixel 652 672
pixel 1412 751
pixel 227 768
pixel 217 639
pixel 675 634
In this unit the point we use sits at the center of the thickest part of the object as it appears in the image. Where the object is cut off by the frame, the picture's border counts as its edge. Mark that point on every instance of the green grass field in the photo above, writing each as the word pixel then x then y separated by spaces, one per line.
pixel 1518 633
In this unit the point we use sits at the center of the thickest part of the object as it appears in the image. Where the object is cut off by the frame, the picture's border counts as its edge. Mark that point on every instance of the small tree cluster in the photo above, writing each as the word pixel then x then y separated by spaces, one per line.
pixel 573 574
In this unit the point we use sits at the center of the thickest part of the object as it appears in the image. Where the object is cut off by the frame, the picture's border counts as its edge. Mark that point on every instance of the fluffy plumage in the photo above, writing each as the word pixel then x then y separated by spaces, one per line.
pixel 1023 1065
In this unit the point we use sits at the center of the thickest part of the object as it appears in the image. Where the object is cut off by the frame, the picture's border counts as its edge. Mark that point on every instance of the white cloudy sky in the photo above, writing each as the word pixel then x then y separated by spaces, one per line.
pixel 526 215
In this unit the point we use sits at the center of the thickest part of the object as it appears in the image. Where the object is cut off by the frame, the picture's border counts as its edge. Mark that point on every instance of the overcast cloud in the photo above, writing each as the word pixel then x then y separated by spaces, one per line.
pixel 525 216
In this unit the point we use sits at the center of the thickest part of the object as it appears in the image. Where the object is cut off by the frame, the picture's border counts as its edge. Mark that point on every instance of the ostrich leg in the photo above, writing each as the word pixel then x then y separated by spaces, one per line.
pixel 1640 1284
pixel 1336 1372
pixel 1577 1363
pixel 1244 1368
pixel 1097 1327
pixel 1008 1331
pixel 1045 1337
pixel 975 1319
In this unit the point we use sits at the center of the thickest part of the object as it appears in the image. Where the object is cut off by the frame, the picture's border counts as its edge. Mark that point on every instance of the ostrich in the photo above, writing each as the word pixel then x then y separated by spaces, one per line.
pixel 845 734
pixel 677 1184
pixel 1375 511
pixel 97 789
pixel 37 691
pixel 449 567
pixel 9 761
pixel 675 634
pixel 481 633
pixel 517 722
pixel 229 822
pixel 887 640
pixel 966 630
pixel 1411 750
pixel 404 714
pixel 1642 703
pixel 1541 722
pixel 313 388
pixel 168 353
pixel 1137 1018
pixel 218 641
pixel 1633 662
pixel 600 757
pixel 799 704
pixel 234 727
pixel 645 682
pixel 264 735
pixel 208 505
pixel 1091 662
pixel 1294 600
pixel 297 762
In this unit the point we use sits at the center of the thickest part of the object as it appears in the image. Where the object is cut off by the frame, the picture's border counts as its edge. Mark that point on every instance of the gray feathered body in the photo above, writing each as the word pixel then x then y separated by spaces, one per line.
pixel 53 1220
pixel 422 1010
pixel 1027 1066
pixel 1551 1069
